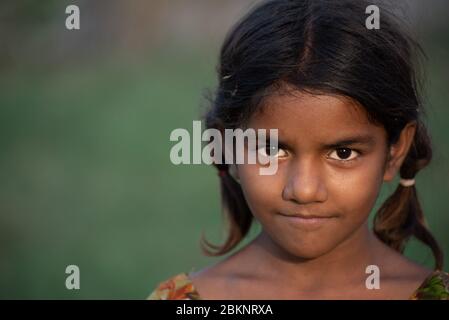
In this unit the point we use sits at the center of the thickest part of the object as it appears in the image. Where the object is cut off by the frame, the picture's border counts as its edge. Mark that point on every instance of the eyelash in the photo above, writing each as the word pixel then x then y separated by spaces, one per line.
pixel 339 148
pixel 350 160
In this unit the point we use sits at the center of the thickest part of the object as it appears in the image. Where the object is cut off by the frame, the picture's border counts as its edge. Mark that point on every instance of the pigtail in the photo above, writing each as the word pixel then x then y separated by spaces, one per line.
pixel 401 215
pixel 235 209
pixel 323 47
pixel 236 212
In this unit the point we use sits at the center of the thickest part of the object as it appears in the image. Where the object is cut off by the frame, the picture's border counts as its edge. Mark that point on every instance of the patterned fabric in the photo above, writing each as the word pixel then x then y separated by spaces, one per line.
pixel 435 287
pixel 179 287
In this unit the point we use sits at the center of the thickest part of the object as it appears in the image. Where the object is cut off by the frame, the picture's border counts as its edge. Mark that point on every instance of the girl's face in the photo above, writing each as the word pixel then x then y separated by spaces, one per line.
pixel 324 188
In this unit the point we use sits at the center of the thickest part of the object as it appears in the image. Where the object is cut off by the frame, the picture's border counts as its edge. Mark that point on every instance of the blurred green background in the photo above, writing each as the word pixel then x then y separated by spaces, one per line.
pixel 85 119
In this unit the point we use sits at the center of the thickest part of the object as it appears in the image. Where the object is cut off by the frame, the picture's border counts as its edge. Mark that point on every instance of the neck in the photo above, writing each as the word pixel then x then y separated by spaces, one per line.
pixel 342 265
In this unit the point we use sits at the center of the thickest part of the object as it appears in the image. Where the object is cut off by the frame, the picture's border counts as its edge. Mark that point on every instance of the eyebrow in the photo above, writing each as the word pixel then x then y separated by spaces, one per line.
pixel 346 141
pixel 357 139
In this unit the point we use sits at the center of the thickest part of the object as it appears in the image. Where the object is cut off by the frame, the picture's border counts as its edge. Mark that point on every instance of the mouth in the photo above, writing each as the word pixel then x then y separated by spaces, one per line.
pixel 307 221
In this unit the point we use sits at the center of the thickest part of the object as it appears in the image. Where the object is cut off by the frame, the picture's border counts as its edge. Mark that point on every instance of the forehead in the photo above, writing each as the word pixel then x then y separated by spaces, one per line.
pixel 320 118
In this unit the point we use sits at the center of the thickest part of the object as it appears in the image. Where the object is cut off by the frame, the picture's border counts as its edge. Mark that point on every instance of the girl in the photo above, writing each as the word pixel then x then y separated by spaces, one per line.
pixel 346 102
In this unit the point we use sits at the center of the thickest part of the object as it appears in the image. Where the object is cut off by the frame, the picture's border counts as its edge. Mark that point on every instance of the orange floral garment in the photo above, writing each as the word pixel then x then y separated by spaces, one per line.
pixel 180 287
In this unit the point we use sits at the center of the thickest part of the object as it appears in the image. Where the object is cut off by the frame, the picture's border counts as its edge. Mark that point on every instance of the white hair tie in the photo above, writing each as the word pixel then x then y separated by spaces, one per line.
pixel 407 182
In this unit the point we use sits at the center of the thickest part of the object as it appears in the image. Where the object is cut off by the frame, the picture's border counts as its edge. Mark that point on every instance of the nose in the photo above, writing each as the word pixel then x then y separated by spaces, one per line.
pixel 305 182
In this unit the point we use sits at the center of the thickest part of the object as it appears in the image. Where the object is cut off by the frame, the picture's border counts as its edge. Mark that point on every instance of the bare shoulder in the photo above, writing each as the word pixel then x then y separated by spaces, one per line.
pixel 212 282
pixel 226 277
pixel 213 273
pixel 402 272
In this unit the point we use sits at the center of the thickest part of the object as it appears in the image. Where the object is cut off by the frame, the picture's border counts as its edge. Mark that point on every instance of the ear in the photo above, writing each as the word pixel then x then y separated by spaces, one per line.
pixel 399 151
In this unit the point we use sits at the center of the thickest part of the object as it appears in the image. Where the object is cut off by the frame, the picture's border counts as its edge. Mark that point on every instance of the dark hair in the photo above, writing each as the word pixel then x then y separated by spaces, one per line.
pixel 324 47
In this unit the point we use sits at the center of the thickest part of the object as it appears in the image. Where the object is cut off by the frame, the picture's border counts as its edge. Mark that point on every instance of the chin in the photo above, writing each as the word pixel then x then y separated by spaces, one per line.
pixel 307 251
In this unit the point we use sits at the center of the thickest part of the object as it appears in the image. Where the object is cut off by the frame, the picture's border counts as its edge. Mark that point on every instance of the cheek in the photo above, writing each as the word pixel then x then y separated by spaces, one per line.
pixel 261 192
pixel 351 193
pixel 355 193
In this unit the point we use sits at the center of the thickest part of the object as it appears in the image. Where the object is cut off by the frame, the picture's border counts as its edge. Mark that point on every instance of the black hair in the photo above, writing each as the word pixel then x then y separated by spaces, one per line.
pixel 324 47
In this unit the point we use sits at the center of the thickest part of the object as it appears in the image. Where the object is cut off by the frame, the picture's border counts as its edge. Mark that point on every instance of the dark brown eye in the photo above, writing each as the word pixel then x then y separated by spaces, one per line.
pixel 271 151
pixel 344 154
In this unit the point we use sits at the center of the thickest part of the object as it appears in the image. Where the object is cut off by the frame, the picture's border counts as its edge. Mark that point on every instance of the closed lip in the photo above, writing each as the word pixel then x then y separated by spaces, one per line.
pixel 307 222
pixel 308 216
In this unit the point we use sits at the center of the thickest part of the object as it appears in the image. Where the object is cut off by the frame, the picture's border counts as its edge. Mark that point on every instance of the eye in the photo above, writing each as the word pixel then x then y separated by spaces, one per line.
pixel 271 151
pixel 345 154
